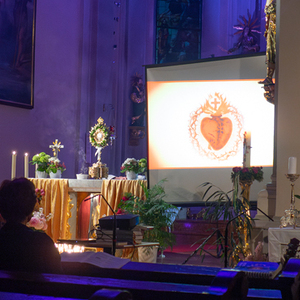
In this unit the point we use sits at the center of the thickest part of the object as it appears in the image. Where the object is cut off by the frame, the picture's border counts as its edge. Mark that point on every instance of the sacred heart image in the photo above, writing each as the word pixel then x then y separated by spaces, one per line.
pixel 216 131
pixel 216 128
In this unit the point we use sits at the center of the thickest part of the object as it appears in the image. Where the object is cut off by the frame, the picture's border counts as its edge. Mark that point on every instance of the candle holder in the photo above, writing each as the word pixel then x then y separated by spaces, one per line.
pixel 291 215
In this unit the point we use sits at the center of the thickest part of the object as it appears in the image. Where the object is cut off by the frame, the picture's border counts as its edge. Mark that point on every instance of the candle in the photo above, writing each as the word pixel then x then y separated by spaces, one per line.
pixel 247 148
pixel 26 165
pixel 13 164
pixel 292 165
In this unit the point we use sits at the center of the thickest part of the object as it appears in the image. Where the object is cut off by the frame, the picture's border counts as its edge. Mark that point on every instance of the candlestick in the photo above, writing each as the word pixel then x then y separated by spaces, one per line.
pixel 247 148
pixel 13 164
pixel 26 165
pixel 292 165
pixel 291 215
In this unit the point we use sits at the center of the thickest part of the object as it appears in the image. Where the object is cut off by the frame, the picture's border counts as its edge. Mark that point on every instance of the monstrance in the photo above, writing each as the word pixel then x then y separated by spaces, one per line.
pixel 99 138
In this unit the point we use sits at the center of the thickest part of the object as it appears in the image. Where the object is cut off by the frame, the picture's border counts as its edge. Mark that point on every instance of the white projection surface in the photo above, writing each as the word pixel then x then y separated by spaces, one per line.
pixel 197 115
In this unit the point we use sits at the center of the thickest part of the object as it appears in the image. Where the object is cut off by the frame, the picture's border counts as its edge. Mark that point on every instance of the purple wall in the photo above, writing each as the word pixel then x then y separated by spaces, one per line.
pixel 74 76
pixel 80 76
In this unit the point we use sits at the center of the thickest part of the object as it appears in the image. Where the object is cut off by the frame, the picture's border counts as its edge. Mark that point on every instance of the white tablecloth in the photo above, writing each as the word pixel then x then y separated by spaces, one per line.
pixel 278 238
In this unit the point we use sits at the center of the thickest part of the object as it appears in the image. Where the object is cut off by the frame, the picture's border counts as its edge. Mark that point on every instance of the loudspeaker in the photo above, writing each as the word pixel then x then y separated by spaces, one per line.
pixel 124 222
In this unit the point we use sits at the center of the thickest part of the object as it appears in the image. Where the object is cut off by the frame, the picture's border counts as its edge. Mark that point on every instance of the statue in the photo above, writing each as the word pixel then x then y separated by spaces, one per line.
pixel 247 41
pixel 270 35
pixel 137 96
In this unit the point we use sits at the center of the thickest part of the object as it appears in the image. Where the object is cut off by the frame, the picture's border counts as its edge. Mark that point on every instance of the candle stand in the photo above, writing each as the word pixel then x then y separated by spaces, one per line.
pixel 291 215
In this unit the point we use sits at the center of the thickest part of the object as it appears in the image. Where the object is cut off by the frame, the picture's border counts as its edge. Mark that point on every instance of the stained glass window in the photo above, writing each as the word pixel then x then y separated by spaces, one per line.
pixel 178 30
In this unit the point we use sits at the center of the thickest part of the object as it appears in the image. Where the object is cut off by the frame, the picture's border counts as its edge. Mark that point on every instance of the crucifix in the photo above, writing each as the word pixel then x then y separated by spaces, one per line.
pixel 56 147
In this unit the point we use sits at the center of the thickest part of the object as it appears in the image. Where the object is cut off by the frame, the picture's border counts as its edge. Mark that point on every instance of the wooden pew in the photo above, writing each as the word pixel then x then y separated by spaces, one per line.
pixel 82 287
pixel 99 295
pixel 228 285
pixel 147 272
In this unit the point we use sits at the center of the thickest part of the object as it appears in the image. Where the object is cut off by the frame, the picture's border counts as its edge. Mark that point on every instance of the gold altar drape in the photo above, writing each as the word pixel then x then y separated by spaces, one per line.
pixel 57 202
pixel 114 190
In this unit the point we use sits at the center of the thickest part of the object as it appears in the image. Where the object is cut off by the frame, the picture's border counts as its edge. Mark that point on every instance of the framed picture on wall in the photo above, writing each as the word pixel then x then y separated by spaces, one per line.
pixel 17 25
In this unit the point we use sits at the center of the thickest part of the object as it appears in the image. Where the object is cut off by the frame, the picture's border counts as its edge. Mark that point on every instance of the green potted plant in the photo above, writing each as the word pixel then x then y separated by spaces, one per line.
pixel 132 167
pixel 41 160
pixel 55 168
pixel 153 211
pixel 142 166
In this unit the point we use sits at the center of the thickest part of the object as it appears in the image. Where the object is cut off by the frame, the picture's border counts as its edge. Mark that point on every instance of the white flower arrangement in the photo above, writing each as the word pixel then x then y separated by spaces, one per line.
pixel 130 164
pixel 54 165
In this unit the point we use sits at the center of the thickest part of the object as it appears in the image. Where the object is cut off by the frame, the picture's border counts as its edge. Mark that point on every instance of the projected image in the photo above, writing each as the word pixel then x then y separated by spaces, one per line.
pixel 216 128
pixel 204 123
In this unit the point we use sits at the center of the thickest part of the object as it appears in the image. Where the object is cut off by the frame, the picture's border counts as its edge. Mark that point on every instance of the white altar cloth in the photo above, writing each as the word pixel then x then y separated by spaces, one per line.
pixel 278 239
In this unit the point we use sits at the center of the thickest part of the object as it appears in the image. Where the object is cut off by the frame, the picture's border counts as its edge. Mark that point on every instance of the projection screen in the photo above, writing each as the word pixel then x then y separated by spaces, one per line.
pixel 197 114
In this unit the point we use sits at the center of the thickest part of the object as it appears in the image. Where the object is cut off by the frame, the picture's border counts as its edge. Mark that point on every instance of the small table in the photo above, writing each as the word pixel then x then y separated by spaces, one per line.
pixel 278 239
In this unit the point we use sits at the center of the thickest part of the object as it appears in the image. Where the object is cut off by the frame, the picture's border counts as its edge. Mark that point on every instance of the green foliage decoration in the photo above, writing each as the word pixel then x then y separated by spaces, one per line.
pixel 153 211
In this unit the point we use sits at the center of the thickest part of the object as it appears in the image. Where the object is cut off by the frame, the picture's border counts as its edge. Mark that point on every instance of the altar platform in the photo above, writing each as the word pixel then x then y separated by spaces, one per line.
pixel 63 198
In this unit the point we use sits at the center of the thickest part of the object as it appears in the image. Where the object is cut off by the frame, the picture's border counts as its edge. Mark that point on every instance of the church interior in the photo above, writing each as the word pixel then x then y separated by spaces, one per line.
pixel 78 84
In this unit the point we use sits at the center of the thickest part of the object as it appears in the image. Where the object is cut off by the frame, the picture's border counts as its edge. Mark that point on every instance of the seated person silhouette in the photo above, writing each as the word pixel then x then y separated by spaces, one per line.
pixel 22 248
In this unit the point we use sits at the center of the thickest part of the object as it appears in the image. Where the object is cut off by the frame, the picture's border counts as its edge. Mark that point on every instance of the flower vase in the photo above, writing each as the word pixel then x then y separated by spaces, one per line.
pixel 41 174
pixel 55 175
pixel 131 175
pixel 245 186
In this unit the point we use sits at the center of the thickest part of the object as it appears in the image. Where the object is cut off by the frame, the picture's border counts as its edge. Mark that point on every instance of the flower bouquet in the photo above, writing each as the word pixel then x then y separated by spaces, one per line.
pixel 38 220
pixel 55 168
pixel 247 174
pixel 130 164
pixel 55 165
pixel 134 165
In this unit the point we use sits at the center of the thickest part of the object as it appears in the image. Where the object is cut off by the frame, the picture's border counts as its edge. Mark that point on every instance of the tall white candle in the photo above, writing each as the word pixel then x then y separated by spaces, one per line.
pixel 292 165
pixel 26 165
pixel 13 164
pixel 247 149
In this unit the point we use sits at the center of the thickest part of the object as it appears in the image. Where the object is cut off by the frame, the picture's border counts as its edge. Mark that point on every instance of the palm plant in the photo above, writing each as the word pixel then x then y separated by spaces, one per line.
pixel 229 206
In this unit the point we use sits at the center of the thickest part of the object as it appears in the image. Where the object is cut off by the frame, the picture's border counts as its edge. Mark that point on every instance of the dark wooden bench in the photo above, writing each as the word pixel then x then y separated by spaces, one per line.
pixel 147 272
pixel 227 284
pixel 99 295
pixel 82 287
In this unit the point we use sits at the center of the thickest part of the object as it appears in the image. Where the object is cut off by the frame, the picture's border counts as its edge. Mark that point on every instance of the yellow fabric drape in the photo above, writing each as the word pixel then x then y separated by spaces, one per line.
pixel 57 202
pixel 114 190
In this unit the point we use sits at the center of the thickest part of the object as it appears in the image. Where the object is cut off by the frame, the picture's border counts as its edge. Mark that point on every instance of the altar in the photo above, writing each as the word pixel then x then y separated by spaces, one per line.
pixel 278 239
pixel 63 198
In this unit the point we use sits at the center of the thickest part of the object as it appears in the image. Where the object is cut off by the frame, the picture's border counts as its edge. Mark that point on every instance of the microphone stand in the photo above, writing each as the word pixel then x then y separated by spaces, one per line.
pixel 114 240
pixel 226 232
pixel 265 214
pixel 206 240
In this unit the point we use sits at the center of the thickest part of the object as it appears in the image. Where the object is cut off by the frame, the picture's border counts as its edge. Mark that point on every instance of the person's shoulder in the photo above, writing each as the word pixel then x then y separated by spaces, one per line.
pixel 42 235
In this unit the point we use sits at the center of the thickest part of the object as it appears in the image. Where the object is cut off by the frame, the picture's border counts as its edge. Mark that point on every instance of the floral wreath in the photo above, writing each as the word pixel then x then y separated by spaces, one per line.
pixel 99 134
pixel 247 174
